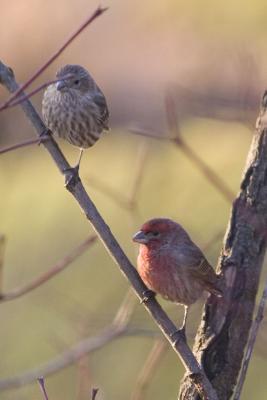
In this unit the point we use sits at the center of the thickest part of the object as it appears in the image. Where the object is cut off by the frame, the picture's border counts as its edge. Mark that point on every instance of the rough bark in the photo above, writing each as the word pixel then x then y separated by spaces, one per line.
pixel 223 332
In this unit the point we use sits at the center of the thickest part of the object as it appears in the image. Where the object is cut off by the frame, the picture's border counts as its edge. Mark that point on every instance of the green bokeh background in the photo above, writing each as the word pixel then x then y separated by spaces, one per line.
pixel 43 223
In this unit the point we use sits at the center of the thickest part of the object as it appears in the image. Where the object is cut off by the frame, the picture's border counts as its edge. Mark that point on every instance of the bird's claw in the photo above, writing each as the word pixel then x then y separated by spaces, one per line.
pixel 44 136
pixel 71 176
pixel 178 336
pixel 147 295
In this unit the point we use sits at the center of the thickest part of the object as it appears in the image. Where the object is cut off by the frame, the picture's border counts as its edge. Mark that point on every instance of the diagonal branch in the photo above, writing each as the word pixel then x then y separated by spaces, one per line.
pixel 58 267
pixel 210 175
pixel 77 189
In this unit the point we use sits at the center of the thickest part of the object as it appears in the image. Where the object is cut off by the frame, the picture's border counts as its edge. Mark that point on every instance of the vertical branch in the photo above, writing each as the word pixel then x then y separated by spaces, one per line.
pixel 252 339
pixel 223 332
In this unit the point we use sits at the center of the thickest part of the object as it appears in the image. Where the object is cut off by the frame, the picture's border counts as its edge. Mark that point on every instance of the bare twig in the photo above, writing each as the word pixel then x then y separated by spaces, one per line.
pixel 148 133
pixel 177 139
pixel 251 342
pixel 58 267
pixel 117 328
pixel 19 91
pixel 19 100
pixel 127 202
pixel 83 377
pixel 42 386
pixel 94 393
pixel 224 329
pixel 139 173
pixel 19 145
pixel 210 175
pixel 77 189
pixel 148 371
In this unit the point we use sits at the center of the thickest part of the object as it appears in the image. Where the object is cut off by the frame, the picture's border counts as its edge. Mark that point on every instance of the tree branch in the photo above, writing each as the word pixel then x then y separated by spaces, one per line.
pixel 116 329
pixel 42 386
pixel 251 342
pixel 58 267
pixel 223 332
pixel 152 306
pixel 19 145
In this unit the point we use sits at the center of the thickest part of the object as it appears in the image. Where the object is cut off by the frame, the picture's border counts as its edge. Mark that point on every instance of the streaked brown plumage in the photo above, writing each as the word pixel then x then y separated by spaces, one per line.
pixel 75 108
pixel 172 265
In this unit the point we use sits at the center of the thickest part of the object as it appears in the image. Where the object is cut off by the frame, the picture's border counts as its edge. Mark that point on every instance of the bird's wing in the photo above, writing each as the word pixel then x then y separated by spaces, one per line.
pixel 100 101
pixel 207 274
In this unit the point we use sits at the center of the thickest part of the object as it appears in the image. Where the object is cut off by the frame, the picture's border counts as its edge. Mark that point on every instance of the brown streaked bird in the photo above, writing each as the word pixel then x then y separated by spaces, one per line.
pixel 171 264
pixel 74 108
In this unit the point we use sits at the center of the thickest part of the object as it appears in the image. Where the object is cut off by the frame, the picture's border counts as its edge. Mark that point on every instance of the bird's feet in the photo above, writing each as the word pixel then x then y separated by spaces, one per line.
pixel 178 336
pixel 147 295
pixel 71 176
pixel 44 136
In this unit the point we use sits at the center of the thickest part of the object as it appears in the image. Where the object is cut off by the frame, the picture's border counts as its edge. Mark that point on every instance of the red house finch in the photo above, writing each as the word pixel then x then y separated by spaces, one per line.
pixel 172 265
pixel 74 108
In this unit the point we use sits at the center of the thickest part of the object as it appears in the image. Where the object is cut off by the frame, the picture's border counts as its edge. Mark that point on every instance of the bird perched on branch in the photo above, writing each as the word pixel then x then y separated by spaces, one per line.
pixel 172 265
pixel 74 108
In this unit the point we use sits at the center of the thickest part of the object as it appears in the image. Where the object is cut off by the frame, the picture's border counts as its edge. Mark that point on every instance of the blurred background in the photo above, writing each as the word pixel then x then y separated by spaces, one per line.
pixel 210 58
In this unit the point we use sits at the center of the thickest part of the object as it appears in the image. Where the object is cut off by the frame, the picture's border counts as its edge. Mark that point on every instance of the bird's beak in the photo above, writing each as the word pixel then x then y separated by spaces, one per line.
pixel 140 237
pixel 61 86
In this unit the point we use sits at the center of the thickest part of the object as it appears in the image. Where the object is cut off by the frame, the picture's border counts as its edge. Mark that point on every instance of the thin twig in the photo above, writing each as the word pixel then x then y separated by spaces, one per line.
pixel 42 386
pixel 78 191
pixel 127 202
pixel 148 371
pixel 148 134
pixel 54 270
pixel 19 100
pixel 118 328
pixel 88 21
pixel 141 161
pixel 210 175
pixel 19 145
pixel 251 342
pixel 177 140
pixel 94 393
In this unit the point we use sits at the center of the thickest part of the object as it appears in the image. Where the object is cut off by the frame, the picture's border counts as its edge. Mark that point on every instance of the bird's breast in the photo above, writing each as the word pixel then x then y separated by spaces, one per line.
pixel 163 274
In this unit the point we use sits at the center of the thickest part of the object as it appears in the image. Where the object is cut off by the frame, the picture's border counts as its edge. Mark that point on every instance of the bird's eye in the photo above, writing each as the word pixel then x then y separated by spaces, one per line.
pixel 155 234
pixel 76 82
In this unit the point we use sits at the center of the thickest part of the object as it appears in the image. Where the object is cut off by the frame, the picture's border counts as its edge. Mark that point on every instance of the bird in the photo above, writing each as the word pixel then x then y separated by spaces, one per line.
pixel 172 265
pixel 74 108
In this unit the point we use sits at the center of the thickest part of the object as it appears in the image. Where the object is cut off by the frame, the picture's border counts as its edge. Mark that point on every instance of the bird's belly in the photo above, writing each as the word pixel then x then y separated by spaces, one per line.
pixel 172 284
pixel 77 124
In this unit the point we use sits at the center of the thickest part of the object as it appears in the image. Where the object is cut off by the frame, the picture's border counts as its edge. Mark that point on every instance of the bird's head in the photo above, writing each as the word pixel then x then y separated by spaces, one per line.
pixel 159 232
pixel 74 78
